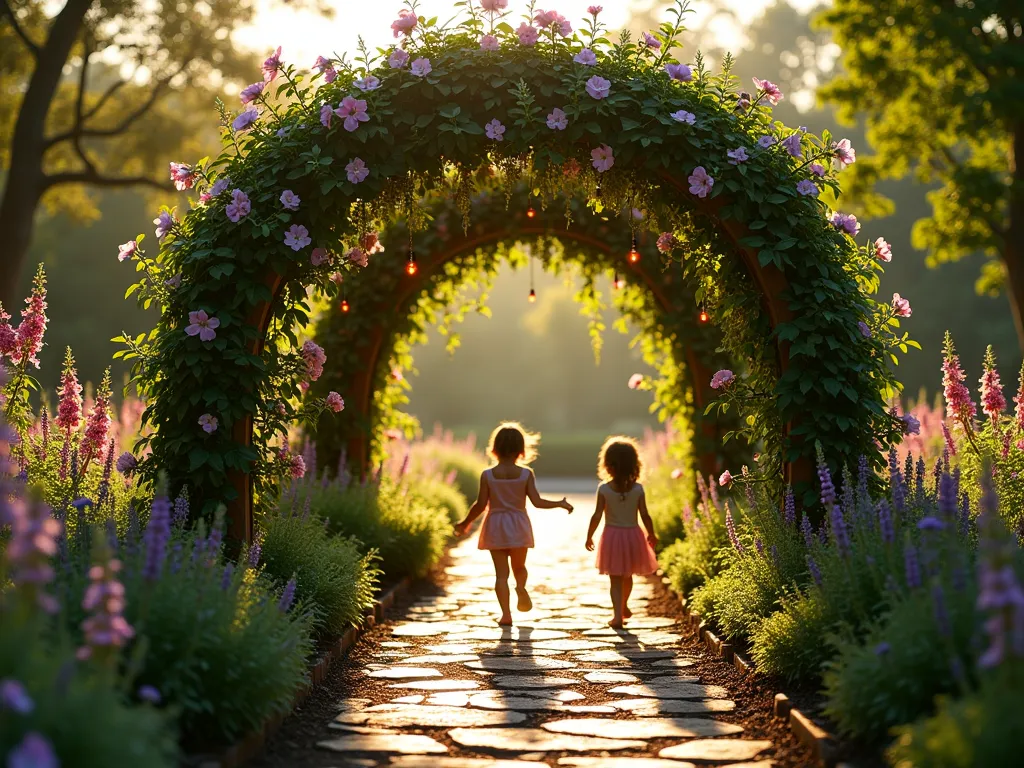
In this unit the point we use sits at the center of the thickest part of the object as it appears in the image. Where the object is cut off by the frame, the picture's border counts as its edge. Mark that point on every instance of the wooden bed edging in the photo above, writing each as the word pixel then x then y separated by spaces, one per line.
pixel 823 745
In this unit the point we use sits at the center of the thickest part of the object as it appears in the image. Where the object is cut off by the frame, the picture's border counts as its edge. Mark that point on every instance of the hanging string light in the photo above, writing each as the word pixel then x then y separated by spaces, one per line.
pixel 344 306
pixel 618 282
pixel 703 316
pixel 532 297
pixel 530 212
pixel 634 254
pixel 410 265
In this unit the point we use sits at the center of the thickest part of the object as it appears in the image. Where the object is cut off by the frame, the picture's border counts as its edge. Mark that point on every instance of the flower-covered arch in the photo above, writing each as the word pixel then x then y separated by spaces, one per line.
pixel 313 167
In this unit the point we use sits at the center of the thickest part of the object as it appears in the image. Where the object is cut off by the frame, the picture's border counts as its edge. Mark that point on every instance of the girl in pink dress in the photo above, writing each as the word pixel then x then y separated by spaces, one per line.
pixel 623 549
pixel 506 530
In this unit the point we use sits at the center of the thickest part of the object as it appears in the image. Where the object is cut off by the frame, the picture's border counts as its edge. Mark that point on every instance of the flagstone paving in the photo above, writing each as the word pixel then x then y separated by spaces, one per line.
pixel 443 686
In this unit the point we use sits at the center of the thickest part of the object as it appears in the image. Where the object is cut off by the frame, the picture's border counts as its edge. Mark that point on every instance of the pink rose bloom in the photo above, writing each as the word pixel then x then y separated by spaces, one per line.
pixel 883 251
pixel 127 250
pixel 357 256
pixel 493 6
pixel 290 201
pixel 666 242
pixel 677 473
pixel 602 158
pixel 335 402
pixel 682 116
pixel 680 72
pixel 202 325
pixel 528 35
pixel 700 182
pixel 544 19
pixel 405 23
pixel 322 64
pixel 737 156
pixel 845 153
pixel 635 381
pixel 319 256
pixel 489 43
pixel 353 111
pixel 725 478
pixel 792 145
pixel 272 65
pixel 771 91
pixel 807 187
pixel 561 24
pixel 593 10
pixel 239 207
pixel 164 221
pixel 314 357
pixel 722 378
pixel 370 243
pixel 421 67
pixel 245 120
pixel 598 87
pixel 911 426
pixel 557 120
pixel 326 115
pixel 356 170
pixel 368 83
pixel 586 57
pixel 182 176
pixel 297 237
pixel 495 130
pixel 900 306
pixel 330 74
pixel 208 423
pixel 817 169
pixel 398 59
pixel 252 92
pixel 650 41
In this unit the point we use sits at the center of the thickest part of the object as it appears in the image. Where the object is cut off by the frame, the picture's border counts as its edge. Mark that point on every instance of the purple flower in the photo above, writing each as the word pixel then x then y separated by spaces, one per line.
pixel 398 59
pixel 489 43
pixel 792 144
pixel 495 130
pixel 885 522
pixel 844 153
pixel 528 35
pixel 255 549
pixel 806 530
pixel 34 751
pixel 148 694
pixel 650 41
pixel 766 141
pixel 352 111
pixel 840 535
pixel 202 325
pixel 845 222
pixel 156 537
pixel 807 188
pixel 598 87
pixel 252 92
pixel 356 171
pixel 737 156
pixel 290 201
pixel 126 463
pixel 817 169
pixel 700 182
pixel 319 256
pixel 225 577
pixel 722 379
pixel 164 222
pixel 882 648
pixel 326 115
pixel 730 528
pixel 940 610
pixel 209 423
pixel 865 331
pixel 421 67
pixel 813 568
pixel 930 523
pixel 287 596
pixel 680 72
pixel 245 120
pixel 297 237
pixel 14 697
pixel 911 426
pixel 682 116
pixel 828 488
pixel 557 120
pixel 586 57
pixel 272 65
pixel 105 628
pixel 219 186
pixel 239 207
pixel 911 566
pixel 127 250
pixel 602 158
pixel 789 507
pixel 368 83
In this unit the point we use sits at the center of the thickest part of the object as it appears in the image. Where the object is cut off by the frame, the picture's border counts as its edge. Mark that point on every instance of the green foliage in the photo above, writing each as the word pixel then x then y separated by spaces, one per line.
pixel 691 561
pixel 892 674
pixel 980 729
pixel 788 643
pixel 81 710
pixel 334 581
pixel 408 535
pixel 438 494
pixel 940 86
pixel 753 218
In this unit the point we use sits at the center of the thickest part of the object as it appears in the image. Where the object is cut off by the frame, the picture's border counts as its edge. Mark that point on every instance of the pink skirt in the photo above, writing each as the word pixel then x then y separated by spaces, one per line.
pixel 505 529
pixel 624 551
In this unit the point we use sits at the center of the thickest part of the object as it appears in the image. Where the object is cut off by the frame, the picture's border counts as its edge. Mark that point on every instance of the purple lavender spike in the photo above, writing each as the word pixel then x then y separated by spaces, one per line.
pixel 815 571
pixel 912 568
pixel 940 610
pixel 287 596
pixel 947 497
pixel 885 522
pixel 155 538
pixel 839 533
pixel 789 508
pixel 807 530
pixel 828 489
pixel 919 482
pixel 225 578
pixel 965 515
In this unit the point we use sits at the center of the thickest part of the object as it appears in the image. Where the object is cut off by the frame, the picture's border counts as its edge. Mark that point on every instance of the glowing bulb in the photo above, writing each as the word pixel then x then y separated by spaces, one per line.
pixel 410 266
pixel 618 282
pixel 634 256
pixel 704 316
pixel 344 305
pixel 530 213
pixel 532 297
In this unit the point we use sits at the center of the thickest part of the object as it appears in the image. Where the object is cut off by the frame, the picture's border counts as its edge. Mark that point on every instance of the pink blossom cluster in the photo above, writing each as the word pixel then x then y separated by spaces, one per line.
pixel 326 67
pixel 959 405
pixel 183 176
pixel 722 379
pixel 97 427
pixel 272 65
pixel 202 325
pixel 701 182
pixel 314 357
pixel 845 222
pixel 69 406
pixel 667 242
pixel 33 542
pixel 405 23
pixel 8 336
pixel 334 402
pixel 105 628
pixel 772 92
pixel 28 338
pixel 993 402
pixel 556 21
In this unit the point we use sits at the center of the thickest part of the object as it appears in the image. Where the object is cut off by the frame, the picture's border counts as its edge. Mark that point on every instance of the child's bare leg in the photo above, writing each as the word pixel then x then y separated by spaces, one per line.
pixel 500 558
pixel 518 558
pixel 627 587
pixel 616 593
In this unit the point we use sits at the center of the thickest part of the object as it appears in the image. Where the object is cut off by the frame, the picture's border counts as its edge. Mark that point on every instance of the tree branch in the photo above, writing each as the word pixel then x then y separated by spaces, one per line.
pixel 104 98
pixel 83 76
pixel 32 47
pixel 97 179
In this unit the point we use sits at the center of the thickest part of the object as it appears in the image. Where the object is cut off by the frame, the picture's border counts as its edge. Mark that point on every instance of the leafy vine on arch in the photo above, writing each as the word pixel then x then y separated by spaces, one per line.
pixel 313 165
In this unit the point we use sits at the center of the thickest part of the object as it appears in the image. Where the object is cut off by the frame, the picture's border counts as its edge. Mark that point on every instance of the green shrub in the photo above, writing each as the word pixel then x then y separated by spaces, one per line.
pixel 790 642
pixel 691 561
pixel 334 580
pixel 442 457
pixel 437 493
pixel 981 730
pixel 903 662
pixel 408 535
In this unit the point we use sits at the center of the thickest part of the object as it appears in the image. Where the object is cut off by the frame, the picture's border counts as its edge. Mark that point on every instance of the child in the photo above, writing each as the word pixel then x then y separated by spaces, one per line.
pixel 506 531
pixel 623 550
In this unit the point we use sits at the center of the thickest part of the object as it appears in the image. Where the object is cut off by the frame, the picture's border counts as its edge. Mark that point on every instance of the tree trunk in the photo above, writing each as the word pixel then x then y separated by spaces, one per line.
pixel 1013 252
pixel 26 181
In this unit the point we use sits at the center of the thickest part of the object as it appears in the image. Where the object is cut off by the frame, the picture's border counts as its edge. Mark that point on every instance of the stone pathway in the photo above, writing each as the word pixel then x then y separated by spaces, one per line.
pixel 448 688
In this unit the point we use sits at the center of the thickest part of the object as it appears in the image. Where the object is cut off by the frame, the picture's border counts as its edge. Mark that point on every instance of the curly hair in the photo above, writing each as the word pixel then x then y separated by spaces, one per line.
pixel 619 462
pixel 510 440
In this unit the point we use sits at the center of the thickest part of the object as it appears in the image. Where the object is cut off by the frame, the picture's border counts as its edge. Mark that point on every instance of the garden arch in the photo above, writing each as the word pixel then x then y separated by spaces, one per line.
pixel 380 298
pixel 619 127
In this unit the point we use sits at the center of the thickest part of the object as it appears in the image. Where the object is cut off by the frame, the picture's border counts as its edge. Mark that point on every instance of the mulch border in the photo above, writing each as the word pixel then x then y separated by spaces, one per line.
pixel 249 746
pixel 822 744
